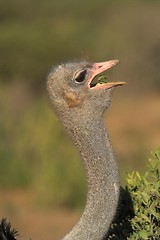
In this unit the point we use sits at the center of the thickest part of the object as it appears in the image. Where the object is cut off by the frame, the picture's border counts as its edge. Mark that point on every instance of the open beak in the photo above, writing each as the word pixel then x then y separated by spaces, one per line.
pixel 101 67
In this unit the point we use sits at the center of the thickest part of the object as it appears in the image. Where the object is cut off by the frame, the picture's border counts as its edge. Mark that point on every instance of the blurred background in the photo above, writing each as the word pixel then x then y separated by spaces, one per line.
pixel 42 182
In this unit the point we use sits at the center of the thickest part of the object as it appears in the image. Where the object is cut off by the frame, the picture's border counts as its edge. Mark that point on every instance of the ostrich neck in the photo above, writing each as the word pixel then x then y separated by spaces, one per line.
pixel 91 139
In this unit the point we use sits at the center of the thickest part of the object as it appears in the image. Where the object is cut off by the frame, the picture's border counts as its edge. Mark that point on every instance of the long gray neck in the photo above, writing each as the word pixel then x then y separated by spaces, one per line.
pixel 91 138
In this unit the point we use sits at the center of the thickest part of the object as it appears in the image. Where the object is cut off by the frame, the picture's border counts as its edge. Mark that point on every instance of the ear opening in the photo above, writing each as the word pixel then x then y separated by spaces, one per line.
pixel 71 99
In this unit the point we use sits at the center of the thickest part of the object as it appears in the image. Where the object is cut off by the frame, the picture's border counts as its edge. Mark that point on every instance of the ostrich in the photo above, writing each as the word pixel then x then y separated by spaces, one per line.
pixel 80 102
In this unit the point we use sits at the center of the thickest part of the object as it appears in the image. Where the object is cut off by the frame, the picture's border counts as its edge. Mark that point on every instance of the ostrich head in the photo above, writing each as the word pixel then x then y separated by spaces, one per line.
pixel 72 87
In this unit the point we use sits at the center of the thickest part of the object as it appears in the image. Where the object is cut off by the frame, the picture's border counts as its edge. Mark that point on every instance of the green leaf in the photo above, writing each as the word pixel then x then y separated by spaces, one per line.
pixel 145 197
pixel 145 218
pixel 143 234
pixel 102 79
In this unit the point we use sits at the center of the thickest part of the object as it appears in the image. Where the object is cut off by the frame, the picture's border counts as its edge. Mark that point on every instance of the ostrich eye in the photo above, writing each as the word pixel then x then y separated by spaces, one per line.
pixel 80 76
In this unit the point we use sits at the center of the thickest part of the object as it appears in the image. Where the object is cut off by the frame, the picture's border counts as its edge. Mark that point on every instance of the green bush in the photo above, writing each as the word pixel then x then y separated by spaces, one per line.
pixel 138 214
pixel 145 194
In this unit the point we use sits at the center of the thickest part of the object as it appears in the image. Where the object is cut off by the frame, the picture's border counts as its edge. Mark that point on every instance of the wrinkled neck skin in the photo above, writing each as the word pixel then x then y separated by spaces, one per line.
pixel 91 139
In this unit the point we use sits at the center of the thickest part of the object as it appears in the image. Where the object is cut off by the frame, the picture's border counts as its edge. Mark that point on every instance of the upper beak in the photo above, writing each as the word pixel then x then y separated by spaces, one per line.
pixel 101 67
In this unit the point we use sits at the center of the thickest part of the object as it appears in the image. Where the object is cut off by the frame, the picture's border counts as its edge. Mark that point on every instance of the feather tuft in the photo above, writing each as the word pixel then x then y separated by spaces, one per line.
pixel 6 231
